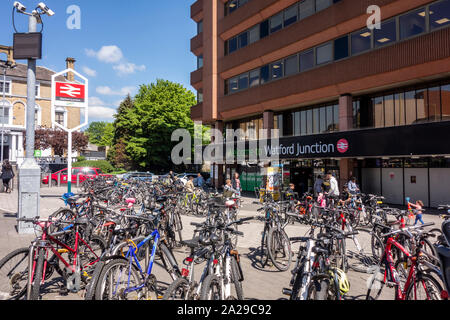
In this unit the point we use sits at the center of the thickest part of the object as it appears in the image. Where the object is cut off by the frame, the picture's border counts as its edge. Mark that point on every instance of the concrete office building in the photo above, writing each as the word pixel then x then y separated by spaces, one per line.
pixel 315 71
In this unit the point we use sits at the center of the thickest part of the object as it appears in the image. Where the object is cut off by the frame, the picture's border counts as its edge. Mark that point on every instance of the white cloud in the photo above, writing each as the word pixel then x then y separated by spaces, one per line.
pixel 88 71
pixel 99 112
pixel 107 91
pixel 108 54
pixel 96 101
pixel 125 68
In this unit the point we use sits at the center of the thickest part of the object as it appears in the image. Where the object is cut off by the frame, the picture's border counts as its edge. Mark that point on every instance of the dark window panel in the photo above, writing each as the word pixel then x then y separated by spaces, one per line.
pixel 387 34
pixel 265 74
pixel 361 41
pixel 290 15
pixel 434 104
pixel 264 29
pixel 276 22
pixel 324 53
pixel 341 48
pixel 440 14
pixel 291 65
pixel 412 23
pixel 232 45
pixel 307 8
pixel 243 40
pixel 410 107
pixel 243 81
pixel 445 102
pixel 306 60
pixel 254 78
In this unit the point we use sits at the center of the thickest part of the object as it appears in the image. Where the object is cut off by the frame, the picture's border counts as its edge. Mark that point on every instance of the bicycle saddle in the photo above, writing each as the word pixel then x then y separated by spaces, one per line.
pixel 193 243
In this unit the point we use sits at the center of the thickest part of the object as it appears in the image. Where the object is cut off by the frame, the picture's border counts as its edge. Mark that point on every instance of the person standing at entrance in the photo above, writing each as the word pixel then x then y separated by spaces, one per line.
pixel 7 175
pixel 334 187
pixel 352 186
pixel 318 186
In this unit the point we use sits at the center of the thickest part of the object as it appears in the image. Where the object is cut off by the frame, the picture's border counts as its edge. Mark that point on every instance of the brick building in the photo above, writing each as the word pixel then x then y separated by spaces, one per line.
pixel 315 71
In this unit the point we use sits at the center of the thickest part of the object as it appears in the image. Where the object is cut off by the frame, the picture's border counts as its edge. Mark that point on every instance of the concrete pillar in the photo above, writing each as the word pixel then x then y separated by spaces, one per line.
pixel 268 122
pixel 345 124
pixel 219 182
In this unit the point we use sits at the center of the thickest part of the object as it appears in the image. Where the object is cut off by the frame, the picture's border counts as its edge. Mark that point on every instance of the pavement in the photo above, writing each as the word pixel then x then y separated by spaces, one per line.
pixel 259 284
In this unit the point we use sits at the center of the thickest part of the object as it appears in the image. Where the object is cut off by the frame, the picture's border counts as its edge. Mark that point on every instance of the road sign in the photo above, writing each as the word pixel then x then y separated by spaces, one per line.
pixel 70 94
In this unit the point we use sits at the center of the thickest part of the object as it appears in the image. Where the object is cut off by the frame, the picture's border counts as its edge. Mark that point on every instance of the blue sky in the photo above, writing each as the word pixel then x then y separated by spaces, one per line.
pixel 121 44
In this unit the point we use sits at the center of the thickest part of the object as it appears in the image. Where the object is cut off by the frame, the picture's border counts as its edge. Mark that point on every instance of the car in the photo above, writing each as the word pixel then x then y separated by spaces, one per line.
pixel 143 176
pixel 84 173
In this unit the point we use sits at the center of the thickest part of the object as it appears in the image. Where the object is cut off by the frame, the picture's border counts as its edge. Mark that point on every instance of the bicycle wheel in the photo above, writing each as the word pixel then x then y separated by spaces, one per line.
pixel 235 277
pixel 424 288
pixel 279 249
pixel 90 256
pixel 117 277
pixel 375 283
pixel 14 274
pixel 178 290
pixel 318 289
pixel 38 272
pixel 340 255
pixel 263 254
pixel 169 261
pixel 211 288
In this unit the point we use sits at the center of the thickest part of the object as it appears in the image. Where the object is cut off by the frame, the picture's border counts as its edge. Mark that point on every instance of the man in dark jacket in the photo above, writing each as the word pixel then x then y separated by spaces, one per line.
pixel 7 175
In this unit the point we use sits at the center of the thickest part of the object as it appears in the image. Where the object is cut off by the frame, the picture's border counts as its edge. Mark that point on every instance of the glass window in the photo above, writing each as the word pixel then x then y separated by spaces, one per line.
pixel 199 27
pixel 264 29
pixel 336 117
pixel 4 111
pixel 290 15
pixel 399 109
pixel 306 60
pixel 243 40
pixel 232 45
pixel 233 85
pixel 341 48
pixel 276 70
pixel 445 101
pixel 323 120
pixel 291 65
pixel 200 61
pixel 316 119
pixel 356 114
pixel 243 81
pixel 361 41
pixel 412 23
pixel 199 96
pixel 265 74
pixel 232 5
pixel 330 118
pixel 297 123
pixel 288 124
pixel 410 107
pixel 324 53
pixel 253 34
pixel 422 105
pixel 389 112
pixel 278 124
pixel 434 104
pixel 307 8
pixel 378 112
pixel 309 120
pixel 440 14
pixel 303 123
pixel 387 34
pixel 59 118
pixel 7 86
pixel 276 22
pixel 254 78
pixel 323 4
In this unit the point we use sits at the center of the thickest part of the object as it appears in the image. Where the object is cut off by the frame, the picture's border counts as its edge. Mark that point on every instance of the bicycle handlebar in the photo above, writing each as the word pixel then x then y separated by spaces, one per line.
pixel 429 224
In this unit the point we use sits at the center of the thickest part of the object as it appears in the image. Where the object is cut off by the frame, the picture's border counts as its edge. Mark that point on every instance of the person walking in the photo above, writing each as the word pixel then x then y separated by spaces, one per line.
pixel 228 190
pixel 7 175
pixel 334 187
pixel 190 185
pixel 418 211
pixel 200 181
pixel 236 183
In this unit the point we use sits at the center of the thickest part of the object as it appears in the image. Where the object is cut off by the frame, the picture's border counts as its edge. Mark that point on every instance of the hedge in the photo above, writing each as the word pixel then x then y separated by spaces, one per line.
pixel 104 165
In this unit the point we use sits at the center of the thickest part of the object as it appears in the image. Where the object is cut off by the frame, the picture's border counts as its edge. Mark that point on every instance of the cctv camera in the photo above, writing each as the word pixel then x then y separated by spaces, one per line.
pixel 45 9
pixel 19 6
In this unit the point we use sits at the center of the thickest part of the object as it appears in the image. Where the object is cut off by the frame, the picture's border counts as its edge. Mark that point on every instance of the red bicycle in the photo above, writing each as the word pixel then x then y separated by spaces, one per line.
pixel 409 277
pixel 47 251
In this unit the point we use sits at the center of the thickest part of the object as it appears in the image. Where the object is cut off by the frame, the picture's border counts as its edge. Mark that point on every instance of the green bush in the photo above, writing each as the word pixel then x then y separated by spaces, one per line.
pixel 104 165
pixel 81 159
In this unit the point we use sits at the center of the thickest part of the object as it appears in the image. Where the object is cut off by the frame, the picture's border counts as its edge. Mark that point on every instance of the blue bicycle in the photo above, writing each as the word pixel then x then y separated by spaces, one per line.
pixel 123 277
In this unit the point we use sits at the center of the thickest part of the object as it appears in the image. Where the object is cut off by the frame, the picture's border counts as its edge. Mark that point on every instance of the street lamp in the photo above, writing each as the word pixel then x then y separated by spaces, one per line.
pixel 5 65
pixel 29 171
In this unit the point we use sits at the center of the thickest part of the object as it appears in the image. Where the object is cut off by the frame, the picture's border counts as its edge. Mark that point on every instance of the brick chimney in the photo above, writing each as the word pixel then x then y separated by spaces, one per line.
pixel 70 64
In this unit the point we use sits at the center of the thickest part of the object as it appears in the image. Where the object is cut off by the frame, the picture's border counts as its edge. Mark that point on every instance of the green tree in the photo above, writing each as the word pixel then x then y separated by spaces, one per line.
pixel 101 133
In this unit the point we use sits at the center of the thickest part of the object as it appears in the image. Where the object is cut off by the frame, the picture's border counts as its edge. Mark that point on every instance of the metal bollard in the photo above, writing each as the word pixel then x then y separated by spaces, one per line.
pixel 59 179
pixel 78 180
pixel 49 180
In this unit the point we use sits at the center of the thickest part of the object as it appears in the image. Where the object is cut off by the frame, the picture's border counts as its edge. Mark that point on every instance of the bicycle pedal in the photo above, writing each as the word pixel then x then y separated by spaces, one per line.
pixel 390 284
pixel 287 292
pixel 63 291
